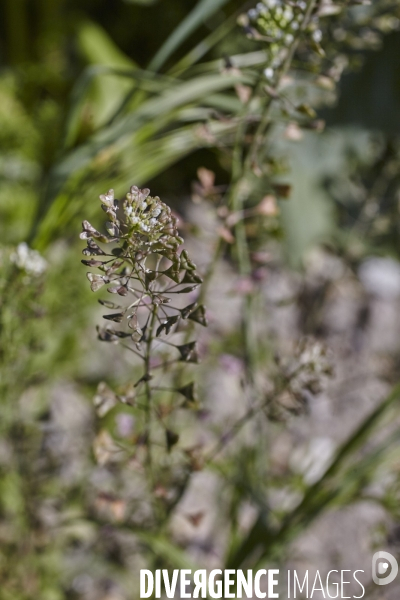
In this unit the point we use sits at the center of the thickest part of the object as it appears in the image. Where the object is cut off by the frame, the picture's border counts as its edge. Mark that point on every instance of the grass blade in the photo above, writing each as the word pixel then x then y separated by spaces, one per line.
pixel 161 109
pixel 139 163
pixel 203 47
pixel 202 11
pixel 318 495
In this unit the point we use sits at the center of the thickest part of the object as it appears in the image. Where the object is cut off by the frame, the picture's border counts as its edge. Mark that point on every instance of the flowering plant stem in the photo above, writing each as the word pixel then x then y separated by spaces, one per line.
pixel 241 168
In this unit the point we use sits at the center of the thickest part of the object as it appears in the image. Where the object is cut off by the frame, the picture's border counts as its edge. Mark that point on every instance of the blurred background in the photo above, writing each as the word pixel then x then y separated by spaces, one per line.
pixel 96 95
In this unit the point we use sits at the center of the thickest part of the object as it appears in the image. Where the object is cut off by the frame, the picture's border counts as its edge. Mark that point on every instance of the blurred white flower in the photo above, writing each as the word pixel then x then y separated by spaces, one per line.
pixel 381 276
pixel 288 13
pixel 29 260
pixel 269 73
pixel 317 36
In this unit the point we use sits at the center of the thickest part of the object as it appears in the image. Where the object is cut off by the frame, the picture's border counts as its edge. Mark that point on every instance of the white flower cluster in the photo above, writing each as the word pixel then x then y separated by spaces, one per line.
pixel 147 221
pixel 28 260
pixel 277 21
pixel 144 211
pixel 150 216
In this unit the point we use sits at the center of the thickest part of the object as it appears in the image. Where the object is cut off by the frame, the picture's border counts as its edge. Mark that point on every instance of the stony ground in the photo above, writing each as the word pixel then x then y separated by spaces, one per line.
pixel 356 316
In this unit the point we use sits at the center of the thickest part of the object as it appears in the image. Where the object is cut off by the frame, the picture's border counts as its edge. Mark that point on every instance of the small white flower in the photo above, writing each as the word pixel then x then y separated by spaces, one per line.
pixel 29 260
pixel 128 210
pixel 289 38
pixel 294 25
pixel 156 212
pixel 288 14
pixel 269 73
pixel 317 36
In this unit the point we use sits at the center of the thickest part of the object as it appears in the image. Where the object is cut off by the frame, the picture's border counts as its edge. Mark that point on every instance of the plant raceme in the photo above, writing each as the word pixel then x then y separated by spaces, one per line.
pixel 149 274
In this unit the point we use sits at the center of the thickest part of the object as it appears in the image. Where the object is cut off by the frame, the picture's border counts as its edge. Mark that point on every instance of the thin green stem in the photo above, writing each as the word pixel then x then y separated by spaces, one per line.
pixel 148 389
pixel 240 171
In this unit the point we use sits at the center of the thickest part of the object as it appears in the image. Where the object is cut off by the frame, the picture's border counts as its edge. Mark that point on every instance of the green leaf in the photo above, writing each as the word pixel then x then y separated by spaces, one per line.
pixel 163 105
pixel 202 11
pixel 106 92
pixel 98 48
pixel 163 548
pixel 87 90
pixel 240 61
pixel 205 45
pixel 140 160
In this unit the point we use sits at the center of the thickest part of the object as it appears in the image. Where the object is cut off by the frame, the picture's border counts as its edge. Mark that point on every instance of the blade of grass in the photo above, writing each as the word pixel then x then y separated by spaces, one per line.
pixel 166 550
pixel 98 48
pixel 183 94
pixel 202 11
pixel 309 507
pixel 341 491
pixel 205 45
pixel 249 59
pixel 187 93
pixel 141 163
pixel 146 81
pixel 78 96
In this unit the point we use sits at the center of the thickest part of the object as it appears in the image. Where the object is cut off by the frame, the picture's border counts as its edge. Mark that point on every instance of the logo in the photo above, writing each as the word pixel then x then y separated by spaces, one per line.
pixel 384 568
